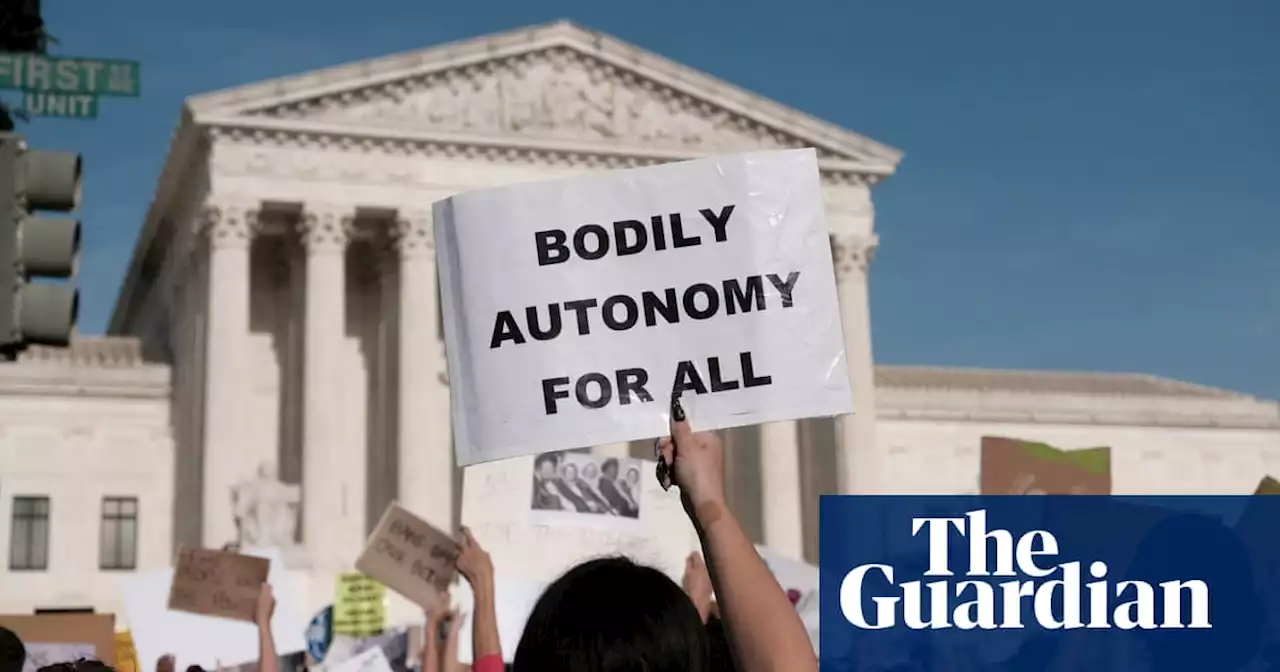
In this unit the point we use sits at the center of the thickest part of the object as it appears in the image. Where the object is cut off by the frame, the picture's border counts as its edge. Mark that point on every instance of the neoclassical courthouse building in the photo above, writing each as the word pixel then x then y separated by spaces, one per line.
pixel 280 316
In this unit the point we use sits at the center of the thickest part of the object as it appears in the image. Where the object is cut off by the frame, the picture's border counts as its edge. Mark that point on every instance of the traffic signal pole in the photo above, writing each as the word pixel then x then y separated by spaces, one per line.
pixel 33 247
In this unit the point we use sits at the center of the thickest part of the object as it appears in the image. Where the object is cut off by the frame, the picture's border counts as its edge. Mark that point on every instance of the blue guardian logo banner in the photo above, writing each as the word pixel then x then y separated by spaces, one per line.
pixel 1031 584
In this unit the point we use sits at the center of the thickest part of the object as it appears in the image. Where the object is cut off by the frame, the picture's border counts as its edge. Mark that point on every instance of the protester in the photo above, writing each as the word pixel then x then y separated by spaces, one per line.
pixel 82 665
pixel 475 565
pixel 580 624
pixel 440 639
pixel 13 655
pixel 608 488
pixel 264 609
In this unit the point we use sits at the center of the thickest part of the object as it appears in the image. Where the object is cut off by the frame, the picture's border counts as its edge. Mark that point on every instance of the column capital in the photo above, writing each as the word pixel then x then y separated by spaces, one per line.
pixel 411 234
pixel 325 228
pixel 853 253
pixel 227 225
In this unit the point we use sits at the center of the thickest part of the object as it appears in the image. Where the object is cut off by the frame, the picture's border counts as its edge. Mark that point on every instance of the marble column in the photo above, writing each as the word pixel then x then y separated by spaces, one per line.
pixel 226 231
pixel 781 488
pixel 858 462
pixel 383 485
pixel 423 422
pixel 332 508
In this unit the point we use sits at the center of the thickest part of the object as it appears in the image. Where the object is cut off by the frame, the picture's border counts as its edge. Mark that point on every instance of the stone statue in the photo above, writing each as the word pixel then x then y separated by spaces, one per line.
pixel 266 510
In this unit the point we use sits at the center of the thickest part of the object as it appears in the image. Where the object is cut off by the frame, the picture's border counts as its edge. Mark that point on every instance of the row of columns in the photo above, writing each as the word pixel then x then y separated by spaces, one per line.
pixel 334 485
pixel 333 521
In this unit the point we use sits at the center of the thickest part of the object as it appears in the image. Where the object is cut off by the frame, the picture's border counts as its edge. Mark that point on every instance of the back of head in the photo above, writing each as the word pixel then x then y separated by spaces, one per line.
pixel 82 665
pixel 612 615
pixel 12 653
pixel 718 641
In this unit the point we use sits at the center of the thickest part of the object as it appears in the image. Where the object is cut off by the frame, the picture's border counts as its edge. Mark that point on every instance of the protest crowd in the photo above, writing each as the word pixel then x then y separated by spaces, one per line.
pixel 730 614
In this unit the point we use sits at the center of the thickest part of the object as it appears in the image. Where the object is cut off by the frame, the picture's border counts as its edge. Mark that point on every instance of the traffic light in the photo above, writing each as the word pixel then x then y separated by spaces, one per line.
pixel 33 247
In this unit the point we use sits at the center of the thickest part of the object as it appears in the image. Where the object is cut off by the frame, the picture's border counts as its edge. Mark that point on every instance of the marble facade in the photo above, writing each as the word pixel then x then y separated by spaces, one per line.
pixel 281 309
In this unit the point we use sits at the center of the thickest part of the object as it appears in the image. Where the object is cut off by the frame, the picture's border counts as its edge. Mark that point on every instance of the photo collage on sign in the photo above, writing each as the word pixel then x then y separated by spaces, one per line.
pixel 572 482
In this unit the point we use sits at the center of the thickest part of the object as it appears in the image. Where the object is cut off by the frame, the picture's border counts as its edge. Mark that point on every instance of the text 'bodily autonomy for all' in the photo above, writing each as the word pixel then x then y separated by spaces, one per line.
pixel 575 309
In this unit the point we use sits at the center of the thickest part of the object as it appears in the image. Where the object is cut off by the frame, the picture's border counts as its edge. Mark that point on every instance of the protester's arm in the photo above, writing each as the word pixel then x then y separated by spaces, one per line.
pixel 697 584
pixel 449 657
pixel 477 567
pixel 429 657
pixel 267 661
pixel 766 633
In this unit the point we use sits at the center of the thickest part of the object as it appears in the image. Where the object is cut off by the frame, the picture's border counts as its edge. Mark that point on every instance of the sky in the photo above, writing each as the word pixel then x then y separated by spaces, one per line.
pixel 1088 185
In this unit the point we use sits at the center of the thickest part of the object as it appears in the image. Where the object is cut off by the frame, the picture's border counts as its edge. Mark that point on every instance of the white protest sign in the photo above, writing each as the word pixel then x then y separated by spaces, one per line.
pixel 206 641
pixel 574 308
pixel 372 660
pixel 505 505
pixel 513 602
pixel 41 654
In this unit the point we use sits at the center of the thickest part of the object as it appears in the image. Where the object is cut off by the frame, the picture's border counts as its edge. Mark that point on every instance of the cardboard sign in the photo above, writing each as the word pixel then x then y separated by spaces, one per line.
pixel 359 608
pixel 58 636
pixel 410 556
pixel 217 583
pixel 573 309
pixel 1016 467
pixel 208 641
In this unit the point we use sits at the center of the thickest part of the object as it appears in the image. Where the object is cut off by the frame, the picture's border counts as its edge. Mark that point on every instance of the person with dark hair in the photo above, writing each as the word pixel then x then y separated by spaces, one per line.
pixel 608 486
pixel 82 665
pixel 544 476
pixel 629 487
pixel 567 486
pixel 13 655
pixel 612 615
pixel 587 486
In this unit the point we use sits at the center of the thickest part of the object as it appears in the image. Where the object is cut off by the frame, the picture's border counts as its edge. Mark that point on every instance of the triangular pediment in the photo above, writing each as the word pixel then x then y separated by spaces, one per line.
pixel 558 83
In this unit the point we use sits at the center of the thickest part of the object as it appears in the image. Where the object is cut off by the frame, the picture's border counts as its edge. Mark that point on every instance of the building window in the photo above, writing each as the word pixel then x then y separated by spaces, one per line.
pixel 119 544
pixel 29 536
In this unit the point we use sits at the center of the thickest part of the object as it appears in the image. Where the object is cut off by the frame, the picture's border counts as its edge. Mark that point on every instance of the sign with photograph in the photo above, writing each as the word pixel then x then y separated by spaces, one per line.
pixel 574 309
pixel 539 516
pixel 572 483
pixel 410 556
pixel 217 583
pixel 1017 467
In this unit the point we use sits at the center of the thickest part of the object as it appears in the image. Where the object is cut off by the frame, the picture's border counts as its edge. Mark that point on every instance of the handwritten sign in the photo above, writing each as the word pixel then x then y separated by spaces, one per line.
pixel 359 608
pixel 217 583
pixel 1016 467
pixel 410 556
pixel 573 309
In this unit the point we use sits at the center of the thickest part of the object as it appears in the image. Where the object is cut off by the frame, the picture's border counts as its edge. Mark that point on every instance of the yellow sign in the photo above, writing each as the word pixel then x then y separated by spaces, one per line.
pixel 126 656
pixel 359 606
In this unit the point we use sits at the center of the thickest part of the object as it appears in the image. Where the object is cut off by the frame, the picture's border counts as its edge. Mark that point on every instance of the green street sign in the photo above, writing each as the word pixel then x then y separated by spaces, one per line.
pixel 80 106
pixel 68 75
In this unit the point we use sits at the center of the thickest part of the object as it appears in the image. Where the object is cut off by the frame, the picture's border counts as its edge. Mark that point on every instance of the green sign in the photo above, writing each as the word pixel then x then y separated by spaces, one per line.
pixel 39 104
pixel 67 75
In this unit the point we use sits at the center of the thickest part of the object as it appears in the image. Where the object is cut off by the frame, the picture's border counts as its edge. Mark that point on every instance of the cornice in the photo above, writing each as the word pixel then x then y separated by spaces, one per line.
pixel 1107 419
pixel 296 133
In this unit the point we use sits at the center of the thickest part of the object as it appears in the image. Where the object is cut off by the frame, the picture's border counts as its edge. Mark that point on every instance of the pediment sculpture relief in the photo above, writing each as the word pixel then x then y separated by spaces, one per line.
pixel 554 94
